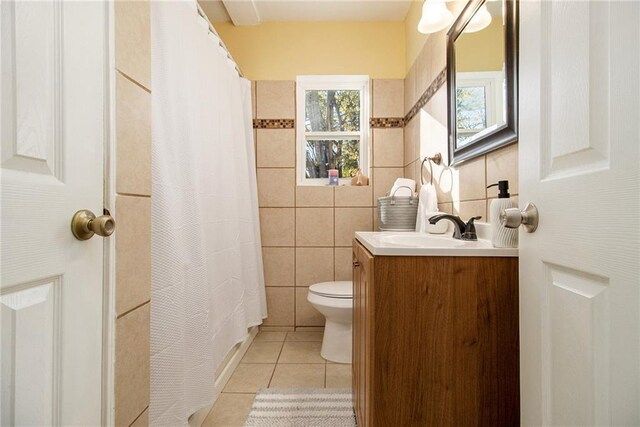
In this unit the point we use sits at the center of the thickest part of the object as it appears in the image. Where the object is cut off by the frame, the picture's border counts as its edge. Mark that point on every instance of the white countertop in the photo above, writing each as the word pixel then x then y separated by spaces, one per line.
pixel 393 243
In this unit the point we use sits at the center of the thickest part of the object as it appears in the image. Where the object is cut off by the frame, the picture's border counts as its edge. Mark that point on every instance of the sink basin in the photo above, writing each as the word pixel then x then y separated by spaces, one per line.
pixel 424 244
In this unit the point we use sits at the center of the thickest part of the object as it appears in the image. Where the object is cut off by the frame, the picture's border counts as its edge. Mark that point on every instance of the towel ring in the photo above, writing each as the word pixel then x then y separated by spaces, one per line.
pixel 437 159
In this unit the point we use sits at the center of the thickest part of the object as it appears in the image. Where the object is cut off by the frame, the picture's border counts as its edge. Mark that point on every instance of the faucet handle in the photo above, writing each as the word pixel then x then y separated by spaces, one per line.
pixel 470 223
pixel 470 229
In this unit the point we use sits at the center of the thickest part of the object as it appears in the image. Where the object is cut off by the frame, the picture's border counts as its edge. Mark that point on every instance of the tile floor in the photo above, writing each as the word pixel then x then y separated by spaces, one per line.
pixel 276 360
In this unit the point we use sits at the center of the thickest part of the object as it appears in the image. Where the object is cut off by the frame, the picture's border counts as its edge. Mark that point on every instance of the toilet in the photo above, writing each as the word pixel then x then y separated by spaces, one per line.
pixel 335 301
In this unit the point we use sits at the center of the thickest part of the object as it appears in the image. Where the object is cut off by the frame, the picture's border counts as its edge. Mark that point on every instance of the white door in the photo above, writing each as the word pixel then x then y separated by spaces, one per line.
pixel 579 163
pixel 52 56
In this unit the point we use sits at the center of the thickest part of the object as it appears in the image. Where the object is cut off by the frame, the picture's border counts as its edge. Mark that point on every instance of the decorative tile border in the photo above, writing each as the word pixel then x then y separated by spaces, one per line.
pixel 375 122
pixel 386 122
pixel 441 79
pixel 274 123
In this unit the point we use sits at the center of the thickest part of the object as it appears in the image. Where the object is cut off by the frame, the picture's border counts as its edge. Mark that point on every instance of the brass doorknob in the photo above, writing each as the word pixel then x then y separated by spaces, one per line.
pixel 85 224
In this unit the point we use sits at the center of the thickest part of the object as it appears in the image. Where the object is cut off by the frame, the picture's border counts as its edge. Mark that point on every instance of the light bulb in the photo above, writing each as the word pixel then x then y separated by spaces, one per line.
pixel 480 20
pixel 435 17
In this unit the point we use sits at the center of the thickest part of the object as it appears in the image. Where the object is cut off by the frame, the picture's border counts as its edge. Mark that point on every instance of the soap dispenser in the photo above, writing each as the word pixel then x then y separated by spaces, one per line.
pixel 502 237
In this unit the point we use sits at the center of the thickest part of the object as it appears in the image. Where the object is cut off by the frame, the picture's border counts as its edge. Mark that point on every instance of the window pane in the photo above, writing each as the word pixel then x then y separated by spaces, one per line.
pixel 471 106
pixel 332 110
pixel 341 154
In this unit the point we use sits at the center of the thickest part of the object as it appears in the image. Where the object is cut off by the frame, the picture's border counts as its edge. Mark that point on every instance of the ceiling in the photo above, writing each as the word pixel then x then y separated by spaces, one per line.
pixel 253 12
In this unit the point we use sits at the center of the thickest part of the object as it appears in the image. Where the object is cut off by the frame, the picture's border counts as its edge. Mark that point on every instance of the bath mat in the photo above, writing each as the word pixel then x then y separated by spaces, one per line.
pixel 302 407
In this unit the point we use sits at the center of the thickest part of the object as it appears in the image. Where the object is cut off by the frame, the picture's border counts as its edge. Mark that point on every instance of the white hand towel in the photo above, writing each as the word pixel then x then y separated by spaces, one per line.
pixel 403 192
pixel 428 204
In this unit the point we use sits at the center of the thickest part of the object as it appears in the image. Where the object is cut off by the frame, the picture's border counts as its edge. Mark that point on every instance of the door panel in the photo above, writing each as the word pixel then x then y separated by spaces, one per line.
pixel 575 88
pixel 579 156
pixel 575 349
pixel 33 139
pixel 53 62
pixel 32 315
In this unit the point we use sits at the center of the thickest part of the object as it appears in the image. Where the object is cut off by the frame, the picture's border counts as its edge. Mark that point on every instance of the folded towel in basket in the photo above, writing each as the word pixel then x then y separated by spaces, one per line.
pixel 398 187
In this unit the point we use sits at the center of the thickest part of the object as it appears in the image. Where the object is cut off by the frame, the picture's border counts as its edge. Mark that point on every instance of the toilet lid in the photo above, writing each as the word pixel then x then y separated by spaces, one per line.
pixel 333 289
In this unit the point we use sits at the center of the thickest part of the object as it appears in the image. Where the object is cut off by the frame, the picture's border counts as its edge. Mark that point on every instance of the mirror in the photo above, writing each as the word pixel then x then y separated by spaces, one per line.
pixel 482 79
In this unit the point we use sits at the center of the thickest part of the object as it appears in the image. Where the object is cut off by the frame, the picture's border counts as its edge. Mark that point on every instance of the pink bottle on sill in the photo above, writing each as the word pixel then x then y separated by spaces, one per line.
pixel 333 177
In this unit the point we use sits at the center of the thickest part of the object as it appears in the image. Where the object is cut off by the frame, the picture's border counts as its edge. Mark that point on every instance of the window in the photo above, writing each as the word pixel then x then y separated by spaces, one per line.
pixel 332 127
pixel 479 101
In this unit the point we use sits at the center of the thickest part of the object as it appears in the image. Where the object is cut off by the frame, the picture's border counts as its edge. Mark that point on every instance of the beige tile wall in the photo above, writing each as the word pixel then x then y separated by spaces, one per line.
pixel 133 211
pixel 307 231
pixel 462 189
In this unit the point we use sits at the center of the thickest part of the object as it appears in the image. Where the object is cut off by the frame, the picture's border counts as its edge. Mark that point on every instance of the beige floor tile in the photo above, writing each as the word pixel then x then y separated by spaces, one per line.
pixel 262 352
pixel 305 336
pixel 249 377
pixel 338 376
pixel 308 329
pixel 264 336
pixel 301 352
pixel 230 410
pixel 267 328
pixel 298 375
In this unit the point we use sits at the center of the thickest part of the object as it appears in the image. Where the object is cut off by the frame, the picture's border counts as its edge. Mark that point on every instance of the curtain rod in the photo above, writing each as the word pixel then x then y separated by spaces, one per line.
pixel 213 30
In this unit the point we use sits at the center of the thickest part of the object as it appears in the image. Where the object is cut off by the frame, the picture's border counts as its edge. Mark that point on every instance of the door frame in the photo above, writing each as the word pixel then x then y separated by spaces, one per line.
pixel 109 199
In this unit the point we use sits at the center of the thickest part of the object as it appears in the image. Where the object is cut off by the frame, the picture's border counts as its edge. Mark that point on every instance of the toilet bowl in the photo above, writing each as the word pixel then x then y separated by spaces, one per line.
pixel 335 301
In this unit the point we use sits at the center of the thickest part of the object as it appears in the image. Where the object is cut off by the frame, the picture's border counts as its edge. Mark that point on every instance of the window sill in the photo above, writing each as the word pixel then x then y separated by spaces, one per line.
pixel 323 182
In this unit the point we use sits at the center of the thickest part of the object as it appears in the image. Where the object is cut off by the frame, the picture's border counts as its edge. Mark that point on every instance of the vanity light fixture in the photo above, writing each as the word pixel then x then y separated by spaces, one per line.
pixel 435 17
pixel 480 20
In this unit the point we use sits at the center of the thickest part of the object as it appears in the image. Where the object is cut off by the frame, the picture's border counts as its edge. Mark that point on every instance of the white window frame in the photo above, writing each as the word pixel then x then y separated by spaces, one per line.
pixel 335 82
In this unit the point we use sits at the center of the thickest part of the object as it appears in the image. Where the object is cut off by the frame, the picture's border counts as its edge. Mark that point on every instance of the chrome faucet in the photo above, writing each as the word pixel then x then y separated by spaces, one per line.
pixel 461 231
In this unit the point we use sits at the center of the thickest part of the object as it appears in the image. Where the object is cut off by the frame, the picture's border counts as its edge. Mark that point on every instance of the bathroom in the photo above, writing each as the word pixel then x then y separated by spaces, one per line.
pixel 222 248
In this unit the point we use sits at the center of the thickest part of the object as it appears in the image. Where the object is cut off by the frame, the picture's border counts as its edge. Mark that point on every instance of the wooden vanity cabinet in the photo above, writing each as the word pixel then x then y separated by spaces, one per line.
pixel 435 340
pixel 362 339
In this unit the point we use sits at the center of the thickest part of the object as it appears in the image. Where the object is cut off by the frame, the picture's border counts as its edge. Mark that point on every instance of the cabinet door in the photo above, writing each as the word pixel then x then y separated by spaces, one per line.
pixel 357 349
pixel 364 325
pixel 366 284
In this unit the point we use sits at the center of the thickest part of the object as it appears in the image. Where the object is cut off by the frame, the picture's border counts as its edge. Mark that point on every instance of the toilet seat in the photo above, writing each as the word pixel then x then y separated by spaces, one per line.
pixel 341 290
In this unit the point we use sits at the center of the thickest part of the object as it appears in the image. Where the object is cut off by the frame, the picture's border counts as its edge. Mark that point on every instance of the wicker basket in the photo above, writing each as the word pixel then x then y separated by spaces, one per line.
pixel 397 213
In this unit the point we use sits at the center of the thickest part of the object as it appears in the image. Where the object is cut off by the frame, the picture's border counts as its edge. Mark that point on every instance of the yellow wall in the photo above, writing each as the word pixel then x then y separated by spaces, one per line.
pixel 481 51
pixel 283 50
pixel 414 39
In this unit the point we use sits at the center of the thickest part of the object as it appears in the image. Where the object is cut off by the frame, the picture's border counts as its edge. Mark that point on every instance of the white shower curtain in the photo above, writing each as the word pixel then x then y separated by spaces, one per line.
pixel 207 280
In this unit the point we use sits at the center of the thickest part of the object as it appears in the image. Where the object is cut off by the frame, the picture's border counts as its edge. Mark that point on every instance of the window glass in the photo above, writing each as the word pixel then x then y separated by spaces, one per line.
pixel 332 110
pixel 471 112
pixel 325 154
